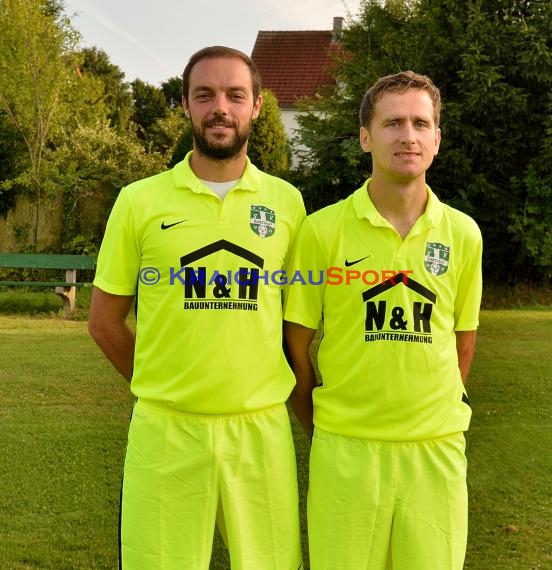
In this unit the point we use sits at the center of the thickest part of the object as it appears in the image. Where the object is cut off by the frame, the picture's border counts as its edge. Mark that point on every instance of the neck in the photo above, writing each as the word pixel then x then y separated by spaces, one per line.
pixel 215 170
pixel 401 204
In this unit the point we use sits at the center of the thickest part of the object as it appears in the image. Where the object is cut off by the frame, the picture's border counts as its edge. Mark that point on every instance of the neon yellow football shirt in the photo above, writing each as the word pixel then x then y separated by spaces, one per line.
pixel 208 333
pixel 390 310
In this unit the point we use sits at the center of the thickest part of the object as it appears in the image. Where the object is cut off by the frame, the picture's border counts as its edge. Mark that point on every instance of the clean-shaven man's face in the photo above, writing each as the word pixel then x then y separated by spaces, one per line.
pixel 402 136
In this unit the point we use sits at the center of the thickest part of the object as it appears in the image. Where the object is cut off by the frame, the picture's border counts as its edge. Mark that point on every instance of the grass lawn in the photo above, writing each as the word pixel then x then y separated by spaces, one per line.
pixel 509 444
pixel 62 435
pixel 64 417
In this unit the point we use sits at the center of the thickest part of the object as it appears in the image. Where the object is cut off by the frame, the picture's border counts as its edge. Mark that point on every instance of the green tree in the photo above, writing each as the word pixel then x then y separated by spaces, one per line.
pixel 115 94
pixel 495 123
pixel 172 91
pixel 149 105
pixel 183 145
pixel 492 61
pixel 169 132
pixel 12 154
pixel 268 148
pixel 37 69
pixel 171 135
pixel 97 162
pixel 530 226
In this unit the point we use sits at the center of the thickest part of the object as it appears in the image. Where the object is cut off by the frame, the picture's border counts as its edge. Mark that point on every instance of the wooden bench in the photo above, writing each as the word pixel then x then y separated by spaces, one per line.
pixel 67 289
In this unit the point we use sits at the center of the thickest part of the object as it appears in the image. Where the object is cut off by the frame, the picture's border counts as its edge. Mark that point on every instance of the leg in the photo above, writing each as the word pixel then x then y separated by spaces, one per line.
pixel 68 294
pixel 350 503
pixel 170 492
pixel 431 522
pixel 259 491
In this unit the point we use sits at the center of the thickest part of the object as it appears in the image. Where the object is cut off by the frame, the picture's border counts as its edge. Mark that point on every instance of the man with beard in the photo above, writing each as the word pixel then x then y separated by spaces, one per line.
pixel 209 440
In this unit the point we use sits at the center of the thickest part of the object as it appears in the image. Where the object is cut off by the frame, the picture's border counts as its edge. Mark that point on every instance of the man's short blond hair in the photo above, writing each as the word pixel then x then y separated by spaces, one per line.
pixel 398 83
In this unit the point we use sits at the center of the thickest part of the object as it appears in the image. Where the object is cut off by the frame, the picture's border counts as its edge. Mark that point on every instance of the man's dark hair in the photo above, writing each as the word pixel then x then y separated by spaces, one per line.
pixel 221 51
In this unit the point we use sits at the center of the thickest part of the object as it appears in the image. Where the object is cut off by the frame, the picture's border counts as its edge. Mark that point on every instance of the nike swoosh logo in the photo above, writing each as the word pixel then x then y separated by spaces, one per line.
pixel 167 226
pixel 349 263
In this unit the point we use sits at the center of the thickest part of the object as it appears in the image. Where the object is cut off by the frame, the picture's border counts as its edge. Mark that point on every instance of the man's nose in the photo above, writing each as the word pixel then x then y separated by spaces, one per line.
pixel 220 104
pixel 408 133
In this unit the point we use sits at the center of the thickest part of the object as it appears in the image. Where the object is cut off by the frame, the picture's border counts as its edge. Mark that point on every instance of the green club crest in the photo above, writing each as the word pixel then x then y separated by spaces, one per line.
pixel 436 258
pixel 262 221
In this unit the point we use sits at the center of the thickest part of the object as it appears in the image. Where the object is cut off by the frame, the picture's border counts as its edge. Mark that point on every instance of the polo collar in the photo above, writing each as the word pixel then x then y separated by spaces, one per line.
pixel 365 209
pixel 184 177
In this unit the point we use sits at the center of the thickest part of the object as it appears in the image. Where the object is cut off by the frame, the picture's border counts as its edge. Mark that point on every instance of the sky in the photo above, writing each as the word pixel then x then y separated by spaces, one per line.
pixel 152 40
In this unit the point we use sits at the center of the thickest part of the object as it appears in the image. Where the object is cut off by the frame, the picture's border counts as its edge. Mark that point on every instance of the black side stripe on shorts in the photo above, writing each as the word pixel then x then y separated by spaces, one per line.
pixel 121 506
pixel 120 528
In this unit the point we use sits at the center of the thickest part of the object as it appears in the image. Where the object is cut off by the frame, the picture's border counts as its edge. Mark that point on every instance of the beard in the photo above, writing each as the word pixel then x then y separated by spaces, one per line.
pixel 224 149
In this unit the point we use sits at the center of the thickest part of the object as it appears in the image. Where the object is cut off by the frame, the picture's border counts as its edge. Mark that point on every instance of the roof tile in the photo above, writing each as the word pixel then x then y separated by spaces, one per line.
pixel 295 64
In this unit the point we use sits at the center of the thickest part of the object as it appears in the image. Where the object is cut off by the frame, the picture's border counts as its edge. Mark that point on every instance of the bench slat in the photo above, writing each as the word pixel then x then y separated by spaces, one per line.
pixel 46 261
pixel 43 284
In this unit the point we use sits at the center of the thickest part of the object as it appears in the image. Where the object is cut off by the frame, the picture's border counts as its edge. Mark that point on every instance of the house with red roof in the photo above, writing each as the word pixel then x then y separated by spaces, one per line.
pixel 296 64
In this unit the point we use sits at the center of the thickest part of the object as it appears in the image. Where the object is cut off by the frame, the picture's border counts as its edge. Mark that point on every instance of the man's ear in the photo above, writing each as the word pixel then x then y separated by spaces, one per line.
pixel 437 140
pixel 365 139
pixel 185 107
pixel 257 108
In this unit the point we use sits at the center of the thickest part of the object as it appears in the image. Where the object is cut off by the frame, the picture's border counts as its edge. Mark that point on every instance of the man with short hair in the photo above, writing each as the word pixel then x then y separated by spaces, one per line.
pixel 209 437
pixel 399 310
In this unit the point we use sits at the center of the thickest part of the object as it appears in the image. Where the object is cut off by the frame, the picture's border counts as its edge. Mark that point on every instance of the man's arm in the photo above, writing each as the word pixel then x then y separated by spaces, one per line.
pixel 298 339
pixel 107 326
pixel 465 348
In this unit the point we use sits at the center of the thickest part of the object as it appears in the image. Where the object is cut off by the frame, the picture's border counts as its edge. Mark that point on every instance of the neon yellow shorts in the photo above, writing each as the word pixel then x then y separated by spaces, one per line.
pixel 182 471
pixel 387 505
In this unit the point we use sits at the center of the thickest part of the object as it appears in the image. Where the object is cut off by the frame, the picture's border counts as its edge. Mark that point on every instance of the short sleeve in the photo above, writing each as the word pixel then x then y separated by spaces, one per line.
pixel 304 292
pixel 470 283
pixel 119 258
